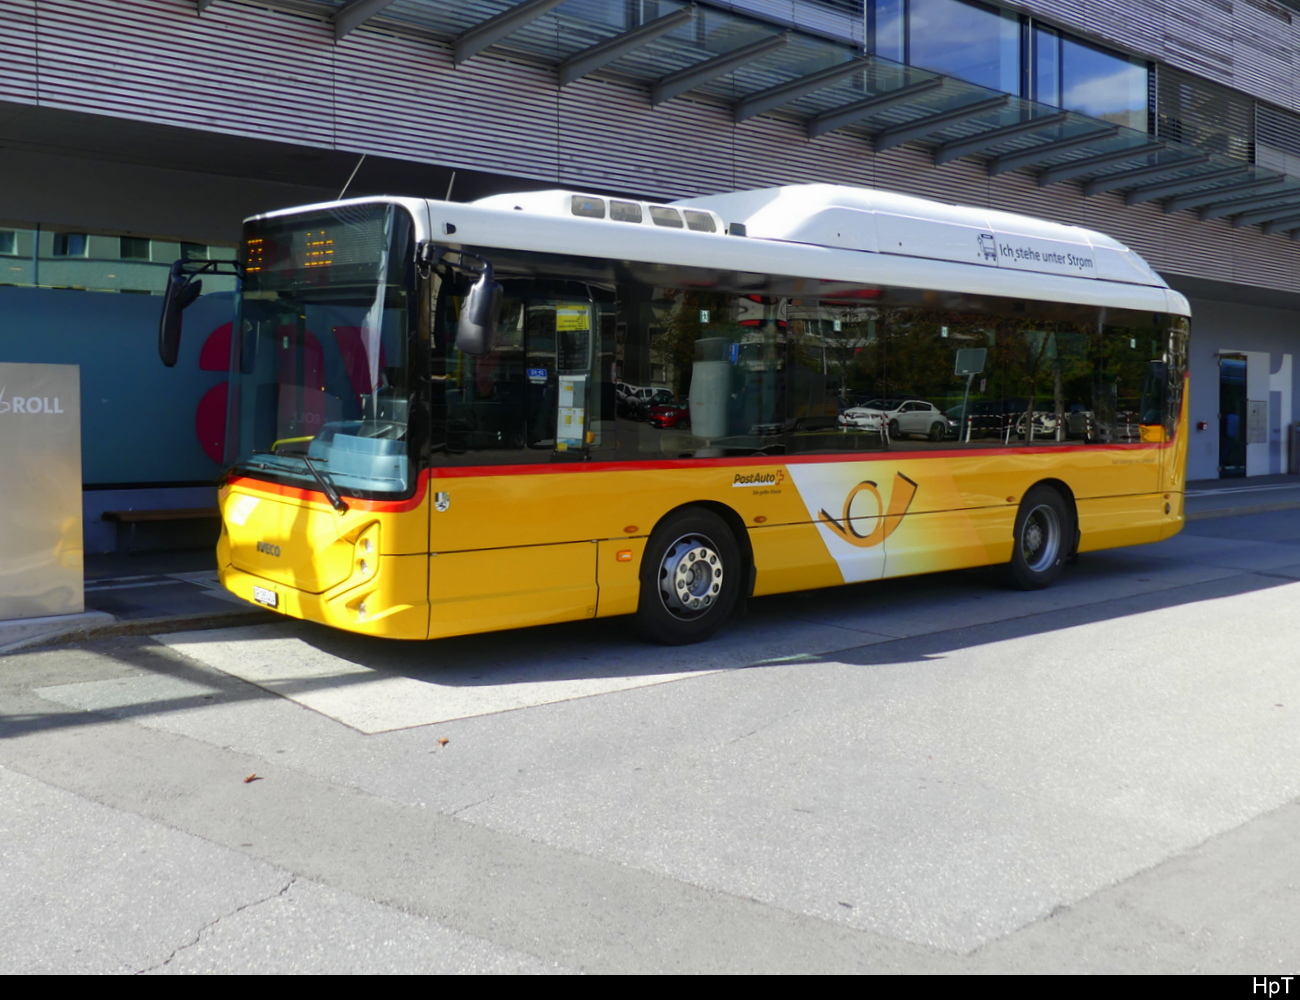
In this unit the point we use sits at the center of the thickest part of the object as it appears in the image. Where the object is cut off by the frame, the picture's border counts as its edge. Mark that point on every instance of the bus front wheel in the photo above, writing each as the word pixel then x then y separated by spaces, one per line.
pixel 1044 528
pixel 690 578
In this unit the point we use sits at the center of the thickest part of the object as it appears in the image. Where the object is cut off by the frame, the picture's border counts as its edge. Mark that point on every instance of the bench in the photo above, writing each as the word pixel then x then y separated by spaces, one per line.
pixel 135 517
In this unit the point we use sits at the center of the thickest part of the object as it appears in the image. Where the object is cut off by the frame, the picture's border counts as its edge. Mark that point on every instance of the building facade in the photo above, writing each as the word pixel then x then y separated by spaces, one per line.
pixel 137 132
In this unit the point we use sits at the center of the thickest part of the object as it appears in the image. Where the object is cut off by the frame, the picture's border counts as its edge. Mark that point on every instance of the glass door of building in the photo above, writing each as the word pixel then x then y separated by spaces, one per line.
pixel 1232 416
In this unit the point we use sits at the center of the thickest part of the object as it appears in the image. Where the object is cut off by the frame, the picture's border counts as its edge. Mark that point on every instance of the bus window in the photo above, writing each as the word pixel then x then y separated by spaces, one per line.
pixel 536 396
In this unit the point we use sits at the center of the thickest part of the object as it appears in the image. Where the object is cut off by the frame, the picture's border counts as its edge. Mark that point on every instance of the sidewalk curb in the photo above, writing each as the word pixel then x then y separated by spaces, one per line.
pixel 145 626
pixel 1258 508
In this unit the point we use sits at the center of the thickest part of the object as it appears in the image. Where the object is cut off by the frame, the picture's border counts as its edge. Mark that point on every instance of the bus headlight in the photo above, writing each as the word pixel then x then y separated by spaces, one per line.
pixel 366 551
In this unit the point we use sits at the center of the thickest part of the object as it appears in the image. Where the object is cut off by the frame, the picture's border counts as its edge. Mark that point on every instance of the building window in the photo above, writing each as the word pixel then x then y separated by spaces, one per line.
pixel 971 42
pixel 70 244
pixel 134 248
pixel 194 251
pixel 983 44
pixel 8 242
pixel 1103 84
pixel 1045 62
pixel 888 27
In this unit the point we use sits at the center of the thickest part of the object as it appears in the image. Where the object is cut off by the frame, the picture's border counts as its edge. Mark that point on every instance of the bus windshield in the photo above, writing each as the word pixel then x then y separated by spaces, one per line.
pixel 319 373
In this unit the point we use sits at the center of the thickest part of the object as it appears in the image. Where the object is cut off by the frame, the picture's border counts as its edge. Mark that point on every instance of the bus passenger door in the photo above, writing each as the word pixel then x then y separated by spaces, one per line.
pixel 510 530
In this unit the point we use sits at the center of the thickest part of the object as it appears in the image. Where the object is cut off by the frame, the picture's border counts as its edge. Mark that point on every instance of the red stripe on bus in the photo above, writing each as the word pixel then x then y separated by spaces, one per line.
pixel 316 496
pixel 483 471
pixel 465 471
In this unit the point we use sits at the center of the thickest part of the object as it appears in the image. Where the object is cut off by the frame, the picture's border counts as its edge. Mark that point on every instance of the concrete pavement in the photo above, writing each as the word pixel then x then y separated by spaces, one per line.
pixel 934 774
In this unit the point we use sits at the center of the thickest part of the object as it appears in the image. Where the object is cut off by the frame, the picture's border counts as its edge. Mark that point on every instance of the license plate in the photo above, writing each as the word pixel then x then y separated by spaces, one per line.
pixel 268 597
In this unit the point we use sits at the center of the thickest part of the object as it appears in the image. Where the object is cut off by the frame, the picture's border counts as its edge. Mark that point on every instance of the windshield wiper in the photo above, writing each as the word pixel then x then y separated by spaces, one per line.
pixel 331 494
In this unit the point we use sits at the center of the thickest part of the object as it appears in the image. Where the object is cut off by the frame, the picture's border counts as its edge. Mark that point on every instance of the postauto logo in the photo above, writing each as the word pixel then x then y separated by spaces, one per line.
pixel 758 478
pixel 28 404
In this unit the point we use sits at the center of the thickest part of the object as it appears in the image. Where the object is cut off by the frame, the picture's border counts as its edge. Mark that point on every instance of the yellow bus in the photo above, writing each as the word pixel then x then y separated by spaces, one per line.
pixel 432 432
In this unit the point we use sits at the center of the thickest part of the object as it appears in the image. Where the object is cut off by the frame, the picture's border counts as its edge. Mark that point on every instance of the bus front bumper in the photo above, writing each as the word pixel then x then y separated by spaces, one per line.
pixel 392 601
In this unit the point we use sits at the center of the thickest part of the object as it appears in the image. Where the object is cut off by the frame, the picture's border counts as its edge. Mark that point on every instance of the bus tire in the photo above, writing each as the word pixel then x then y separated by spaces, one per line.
pixel 691 576
pixel 1044 530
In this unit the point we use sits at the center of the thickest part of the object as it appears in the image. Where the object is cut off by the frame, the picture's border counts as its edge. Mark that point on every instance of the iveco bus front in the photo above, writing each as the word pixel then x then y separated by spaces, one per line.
pixel 321 404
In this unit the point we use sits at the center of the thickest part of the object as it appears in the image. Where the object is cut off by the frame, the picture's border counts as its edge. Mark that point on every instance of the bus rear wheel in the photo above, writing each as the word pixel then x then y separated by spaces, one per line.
pixel 690 578
pixel 1044 528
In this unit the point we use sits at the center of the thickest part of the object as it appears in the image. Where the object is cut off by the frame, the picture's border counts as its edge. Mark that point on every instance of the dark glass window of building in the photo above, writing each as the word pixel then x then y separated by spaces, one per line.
pixel 134 248
pixel 983 44
pixel 70 244
pixel 1103 84
pixel 969 41
pixel 8 242
pixel 889 29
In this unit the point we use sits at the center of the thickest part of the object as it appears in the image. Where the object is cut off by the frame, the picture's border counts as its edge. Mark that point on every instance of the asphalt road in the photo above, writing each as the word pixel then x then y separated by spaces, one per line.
pixel 928 775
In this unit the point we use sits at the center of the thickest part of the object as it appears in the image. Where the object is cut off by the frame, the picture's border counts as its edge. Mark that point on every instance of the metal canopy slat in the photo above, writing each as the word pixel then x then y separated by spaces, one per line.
pixel 1285 225
pixel 680 82
pixel 955 149
pixel 1087 164
pixel 783 93
pixel 859 110
pixel 491 31
pixel 1151 192
pixel 1023 158
pixel 1124 178
pixel 1266 215
pixel 896 135
pixel 602 53
pixel 1242 204
pixel 355 13
pixel 1211 198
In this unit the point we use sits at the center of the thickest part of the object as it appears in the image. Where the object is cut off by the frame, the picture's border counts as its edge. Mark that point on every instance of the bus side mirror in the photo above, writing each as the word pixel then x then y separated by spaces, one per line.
pixel 479 315
pixel 181 291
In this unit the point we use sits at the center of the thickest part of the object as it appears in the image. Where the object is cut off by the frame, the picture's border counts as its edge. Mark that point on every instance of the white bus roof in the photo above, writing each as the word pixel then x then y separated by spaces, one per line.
pixel 814 231
pixel 884 222
pixel 838 217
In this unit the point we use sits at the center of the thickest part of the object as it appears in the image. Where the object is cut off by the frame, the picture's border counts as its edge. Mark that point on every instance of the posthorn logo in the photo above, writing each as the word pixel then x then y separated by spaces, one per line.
pixel 28 404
